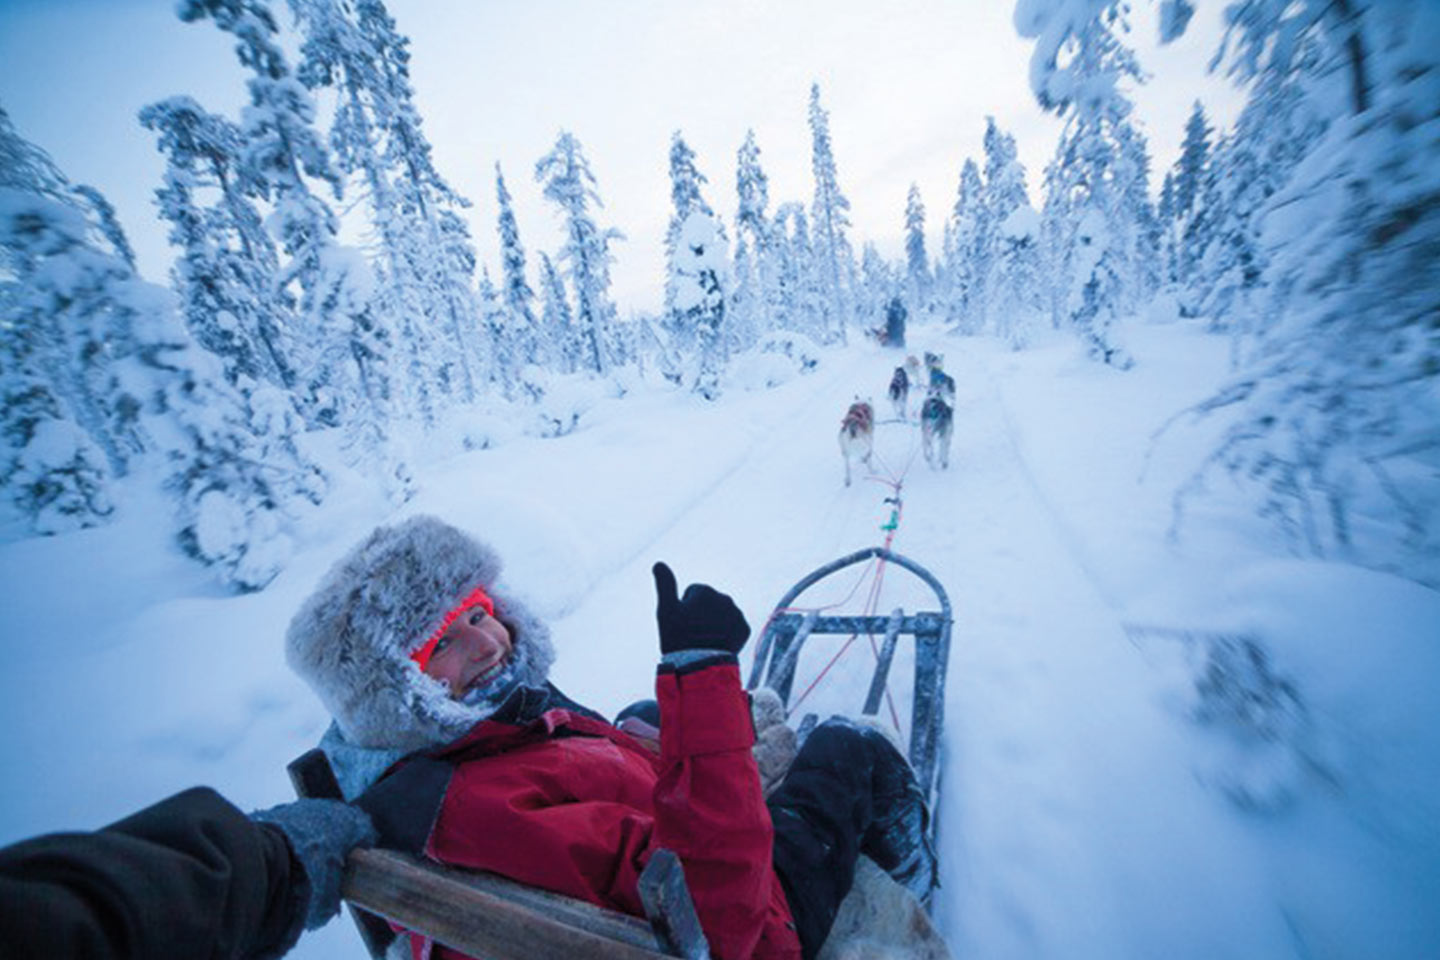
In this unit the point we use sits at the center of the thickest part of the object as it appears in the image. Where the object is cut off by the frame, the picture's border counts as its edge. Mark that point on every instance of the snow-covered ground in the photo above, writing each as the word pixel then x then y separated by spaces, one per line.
pixel 1097 800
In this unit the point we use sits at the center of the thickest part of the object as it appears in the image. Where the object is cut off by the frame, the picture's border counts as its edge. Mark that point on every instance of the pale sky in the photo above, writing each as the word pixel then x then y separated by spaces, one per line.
pixel 908 84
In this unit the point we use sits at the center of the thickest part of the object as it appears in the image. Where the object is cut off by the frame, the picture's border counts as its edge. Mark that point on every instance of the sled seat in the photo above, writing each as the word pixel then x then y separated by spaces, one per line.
pixel 485 915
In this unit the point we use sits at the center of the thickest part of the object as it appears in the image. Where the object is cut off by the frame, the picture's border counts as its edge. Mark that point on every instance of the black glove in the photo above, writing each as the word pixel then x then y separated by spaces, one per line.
pixel 321 834
pixel 704 619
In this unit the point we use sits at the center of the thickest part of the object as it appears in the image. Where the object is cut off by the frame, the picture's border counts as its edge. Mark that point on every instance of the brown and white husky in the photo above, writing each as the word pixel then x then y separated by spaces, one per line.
pixel 936 425
pixel 857 435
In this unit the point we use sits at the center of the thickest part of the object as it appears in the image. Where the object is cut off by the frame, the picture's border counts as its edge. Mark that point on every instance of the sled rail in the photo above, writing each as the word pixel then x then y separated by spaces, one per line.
pixel 486 915
pixel 786 633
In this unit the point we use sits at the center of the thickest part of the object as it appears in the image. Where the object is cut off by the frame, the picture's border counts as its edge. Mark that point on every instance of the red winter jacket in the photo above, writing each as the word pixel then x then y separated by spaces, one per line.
pixel 573 805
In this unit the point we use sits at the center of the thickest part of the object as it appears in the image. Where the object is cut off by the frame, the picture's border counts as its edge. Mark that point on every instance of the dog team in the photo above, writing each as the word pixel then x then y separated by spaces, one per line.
pixel 857 429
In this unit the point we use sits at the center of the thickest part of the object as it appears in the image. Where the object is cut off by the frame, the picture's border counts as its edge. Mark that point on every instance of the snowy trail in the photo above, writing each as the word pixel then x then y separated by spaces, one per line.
pixel 1057 739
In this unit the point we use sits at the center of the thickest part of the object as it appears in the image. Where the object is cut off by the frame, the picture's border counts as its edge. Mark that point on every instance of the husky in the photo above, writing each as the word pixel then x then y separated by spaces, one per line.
pixel 857 435
pixel 939 383
pixel 936 424
pixel 899 391
pixel 942 385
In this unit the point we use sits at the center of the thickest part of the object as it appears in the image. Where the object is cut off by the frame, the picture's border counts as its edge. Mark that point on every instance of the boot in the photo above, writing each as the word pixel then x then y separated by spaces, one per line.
pixel 898 838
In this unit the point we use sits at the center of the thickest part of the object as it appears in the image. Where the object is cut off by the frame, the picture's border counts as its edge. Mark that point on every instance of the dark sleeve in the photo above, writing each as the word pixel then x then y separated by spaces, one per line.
pixel 191 876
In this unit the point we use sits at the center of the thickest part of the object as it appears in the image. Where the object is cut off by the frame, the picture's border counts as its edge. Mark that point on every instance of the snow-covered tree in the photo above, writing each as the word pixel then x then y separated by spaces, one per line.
pixel 699 275
pixel 697 272
pixel 374 405
pixel 67 312
pixel 1016 302
pixel 830 218
pixel 1335 409
pixel 1004 194
pixel 917 263
pixel 557 322
pixel 1194 161
pixel 227 267
pixel 685 199
pixel 518 297
pixel 238 474
pixel 586 257
pixel 968 224
pixel 877 287
pixel 802 293
pixel 504 334
pixel 1004 174
pixel 82 319
pixel 1090 223
pixel 53 475
pixel 756 288
pixel 1169 242
pixel 1136 213
pixel 1274 132
pixel 426 258
pixel 279 149
pixel 107 223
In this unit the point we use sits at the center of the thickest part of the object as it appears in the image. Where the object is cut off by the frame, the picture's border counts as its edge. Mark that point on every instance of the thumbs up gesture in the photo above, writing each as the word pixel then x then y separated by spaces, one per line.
pixel 703 619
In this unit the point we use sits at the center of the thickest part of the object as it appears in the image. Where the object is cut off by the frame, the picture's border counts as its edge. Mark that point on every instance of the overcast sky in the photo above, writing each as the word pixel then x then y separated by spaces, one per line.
pixel 908 84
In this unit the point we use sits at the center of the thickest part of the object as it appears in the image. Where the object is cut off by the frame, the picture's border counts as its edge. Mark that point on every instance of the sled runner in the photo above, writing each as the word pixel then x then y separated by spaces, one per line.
pixel 788 630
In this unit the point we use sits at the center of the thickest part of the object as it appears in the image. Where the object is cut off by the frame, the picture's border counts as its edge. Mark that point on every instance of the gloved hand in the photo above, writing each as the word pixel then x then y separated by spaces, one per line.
pixel 704 619
pixel 321 834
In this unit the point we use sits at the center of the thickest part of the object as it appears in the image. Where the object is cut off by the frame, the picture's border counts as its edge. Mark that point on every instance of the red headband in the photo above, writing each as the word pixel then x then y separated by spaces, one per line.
pixel 477 597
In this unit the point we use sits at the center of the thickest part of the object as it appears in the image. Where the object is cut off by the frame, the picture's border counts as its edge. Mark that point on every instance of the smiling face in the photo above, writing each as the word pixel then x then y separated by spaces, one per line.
pixel 471 653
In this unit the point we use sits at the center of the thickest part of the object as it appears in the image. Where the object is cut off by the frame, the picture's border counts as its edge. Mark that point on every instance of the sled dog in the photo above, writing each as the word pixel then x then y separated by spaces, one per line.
pixel 942 385
pixel 936 423
pixel 899 391
pixel 857 435
pixel 939 383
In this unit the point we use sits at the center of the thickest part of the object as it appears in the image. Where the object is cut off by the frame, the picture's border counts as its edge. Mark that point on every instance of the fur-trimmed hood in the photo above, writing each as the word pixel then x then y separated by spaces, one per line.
pixel 351 640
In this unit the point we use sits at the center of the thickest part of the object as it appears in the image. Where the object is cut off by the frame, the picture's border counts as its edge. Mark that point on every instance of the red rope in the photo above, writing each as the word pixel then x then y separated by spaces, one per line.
pixel 895 484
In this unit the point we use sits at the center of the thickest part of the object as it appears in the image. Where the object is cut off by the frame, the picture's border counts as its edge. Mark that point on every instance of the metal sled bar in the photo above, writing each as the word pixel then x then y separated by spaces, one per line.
pixel 932 653
pixel 882 667
pixel 866 554
pixel 791 622
pixel 788 632
pixel 483 915
pixel 786 650
pixel 779 649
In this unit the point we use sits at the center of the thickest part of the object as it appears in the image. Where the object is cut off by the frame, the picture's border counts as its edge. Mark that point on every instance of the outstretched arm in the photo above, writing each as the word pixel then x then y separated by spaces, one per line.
pixel 191 876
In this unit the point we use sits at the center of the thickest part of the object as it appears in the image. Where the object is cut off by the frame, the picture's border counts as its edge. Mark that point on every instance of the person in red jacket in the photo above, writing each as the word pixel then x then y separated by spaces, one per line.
pixel 449 734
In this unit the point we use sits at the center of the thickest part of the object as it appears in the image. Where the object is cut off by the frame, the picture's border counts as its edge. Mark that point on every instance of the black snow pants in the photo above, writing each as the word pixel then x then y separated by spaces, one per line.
pixel 848 792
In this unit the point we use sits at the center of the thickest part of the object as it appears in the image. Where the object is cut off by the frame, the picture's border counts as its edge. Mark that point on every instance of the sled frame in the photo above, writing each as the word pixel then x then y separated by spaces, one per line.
pixel 486 915
pixel 787 631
